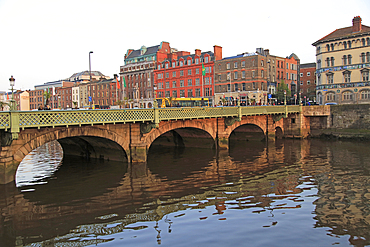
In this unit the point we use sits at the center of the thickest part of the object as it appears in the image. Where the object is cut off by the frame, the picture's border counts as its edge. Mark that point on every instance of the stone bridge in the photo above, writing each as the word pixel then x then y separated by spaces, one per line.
pixel 128 133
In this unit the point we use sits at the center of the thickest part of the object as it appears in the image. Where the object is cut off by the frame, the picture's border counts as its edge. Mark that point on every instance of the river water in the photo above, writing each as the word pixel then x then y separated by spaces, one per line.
pixel 284 193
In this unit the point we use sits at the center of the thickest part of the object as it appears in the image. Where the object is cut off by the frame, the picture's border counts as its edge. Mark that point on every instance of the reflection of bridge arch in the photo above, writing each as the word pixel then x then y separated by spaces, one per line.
pixel 207 126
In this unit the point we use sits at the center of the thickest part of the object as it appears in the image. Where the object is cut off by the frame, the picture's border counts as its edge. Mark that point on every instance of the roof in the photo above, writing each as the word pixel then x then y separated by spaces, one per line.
pixel 86 72
pixel 341 33
pixel 149 51
pixel 308 65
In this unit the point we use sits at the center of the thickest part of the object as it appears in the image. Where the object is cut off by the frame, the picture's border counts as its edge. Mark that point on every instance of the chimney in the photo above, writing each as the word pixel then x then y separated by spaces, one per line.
pixel 217 51
pixel 356 24
pixel 267 52
pixel 197 52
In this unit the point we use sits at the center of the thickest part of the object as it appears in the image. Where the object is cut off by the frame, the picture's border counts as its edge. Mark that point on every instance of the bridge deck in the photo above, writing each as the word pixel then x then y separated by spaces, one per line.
pixel 31 119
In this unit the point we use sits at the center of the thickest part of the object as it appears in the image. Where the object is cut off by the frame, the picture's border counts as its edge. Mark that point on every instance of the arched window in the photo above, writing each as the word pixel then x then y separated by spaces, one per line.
pixel 349 44
pixel 332 61
pixel 327 48
pixel 368 41
pixel 344 60
pixel 367 57
pixel 349 59
pixel 327 62
pixel 345 45
pixel 319 64
pixel 330 77
pixel 363 42
pixel 362 57
pixel 332 47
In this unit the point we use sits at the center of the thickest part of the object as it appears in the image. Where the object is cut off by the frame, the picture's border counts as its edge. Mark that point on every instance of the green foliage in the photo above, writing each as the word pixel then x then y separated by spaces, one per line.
pixel 280 91
pixel 3 104
pixel 47 96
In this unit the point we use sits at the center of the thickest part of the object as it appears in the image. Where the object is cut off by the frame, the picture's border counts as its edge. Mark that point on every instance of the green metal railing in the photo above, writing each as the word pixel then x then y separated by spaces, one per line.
pixel 17 120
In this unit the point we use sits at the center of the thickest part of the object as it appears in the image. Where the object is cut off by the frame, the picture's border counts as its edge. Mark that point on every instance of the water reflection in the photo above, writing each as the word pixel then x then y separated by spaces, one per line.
pixel 313 192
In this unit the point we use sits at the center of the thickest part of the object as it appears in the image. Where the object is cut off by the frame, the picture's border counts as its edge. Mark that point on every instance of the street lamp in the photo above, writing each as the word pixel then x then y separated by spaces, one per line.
pixel 12 83
pixel 89 87
pixel 284 97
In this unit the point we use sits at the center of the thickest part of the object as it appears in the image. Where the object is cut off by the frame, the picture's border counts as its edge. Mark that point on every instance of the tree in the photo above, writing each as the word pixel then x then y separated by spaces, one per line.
pixel 75 103
pixel 47 96
pixel 120 103
pixel 280 91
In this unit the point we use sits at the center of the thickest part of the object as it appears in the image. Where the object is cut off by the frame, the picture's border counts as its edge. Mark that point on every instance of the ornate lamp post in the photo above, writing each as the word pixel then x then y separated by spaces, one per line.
pixel 12 101
pixel 284 97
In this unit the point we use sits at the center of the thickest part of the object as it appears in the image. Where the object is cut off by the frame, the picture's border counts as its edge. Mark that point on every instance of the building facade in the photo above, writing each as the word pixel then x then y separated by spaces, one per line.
pixel 181 74
pixel 137 73
pixel 343 63
pixel 253 77
pixel 307 77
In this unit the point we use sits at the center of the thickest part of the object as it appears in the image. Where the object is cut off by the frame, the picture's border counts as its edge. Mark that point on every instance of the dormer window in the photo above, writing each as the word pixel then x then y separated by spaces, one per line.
pixel 206 59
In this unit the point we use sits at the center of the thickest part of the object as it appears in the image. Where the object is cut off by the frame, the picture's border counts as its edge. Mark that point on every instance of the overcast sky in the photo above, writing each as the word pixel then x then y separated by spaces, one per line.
pixel 48 40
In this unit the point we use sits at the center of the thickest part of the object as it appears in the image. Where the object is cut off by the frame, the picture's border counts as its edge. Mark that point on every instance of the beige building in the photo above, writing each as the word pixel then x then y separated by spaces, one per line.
pixel 342 65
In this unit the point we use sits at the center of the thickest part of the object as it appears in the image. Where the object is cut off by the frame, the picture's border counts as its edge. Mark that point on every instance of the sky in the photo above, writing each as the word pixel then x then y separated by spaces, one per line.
pixel 49 40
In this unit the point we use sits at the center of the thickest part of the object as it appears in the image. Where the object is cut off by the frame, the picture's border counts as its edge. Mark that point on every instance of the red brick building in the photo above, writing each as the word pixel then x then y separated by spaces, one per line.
pixel 181 74
pixel 308 81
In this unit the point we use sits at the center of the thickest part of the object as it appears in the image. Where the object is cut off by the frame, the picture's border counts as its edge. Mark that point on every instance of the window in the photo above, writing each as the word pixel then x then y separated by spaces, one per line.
pixel 308 82
pixel 365 75
pixel 207 91
pixel 344 60
pixel 197 82
pixel 159 66
pixel 332 61
pixel 243 86
pixel 253 74
pixel 262 62
pixel 189 71
pixel 219 77
pixel 349 59
pixel 243 63
pixel 363 42
pixel 243 74
pixel 301 74
pixel 347 95
pixel 196 60
pixel 181 73
pixel 301 82
pixel 197 71
pixel 228 66
pixel 228 87
pixel 173 64
pixel 190 93
pixel 347 76
pixel 181 63
pixel 345 45
pixel 365 94
pixel 167 74
pixel 174 94
pixel 235 65
pixel 349 44
pixel 182 93
pixel 262 73
pixel 190 82
pixel 206 59
pixel 174 74
pixel 189 62
pixel 308 73
pixel 327 48
pixel 330 97
pixel 228 76
pixel 236 87
pixel 367 57
pixel 168 94
pixel 197 92
pixel 181 83
pixel 167 84
pixel 166 65
pixel 332 47
pixel 330 77
pixel 235 75
pixel 363 57
pixel 173 84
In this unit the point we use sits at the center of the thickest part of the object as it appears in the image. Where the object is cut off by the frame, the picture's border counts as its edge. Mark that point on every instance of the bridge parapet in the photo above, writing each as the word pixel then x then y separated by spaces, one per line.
pixel 317 110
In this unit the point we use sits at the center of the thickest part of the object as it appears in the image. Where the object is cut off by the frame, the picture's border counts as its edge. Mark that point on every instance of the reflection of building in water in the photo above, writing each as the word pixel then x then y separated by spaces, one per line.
pixel 344 193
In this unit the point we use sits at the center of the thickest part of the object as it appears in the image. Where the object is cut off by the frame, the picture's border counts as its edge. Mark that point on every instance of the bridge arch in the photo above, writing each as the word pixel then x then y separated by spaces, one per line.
pixel 90 138
pixel 209 126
